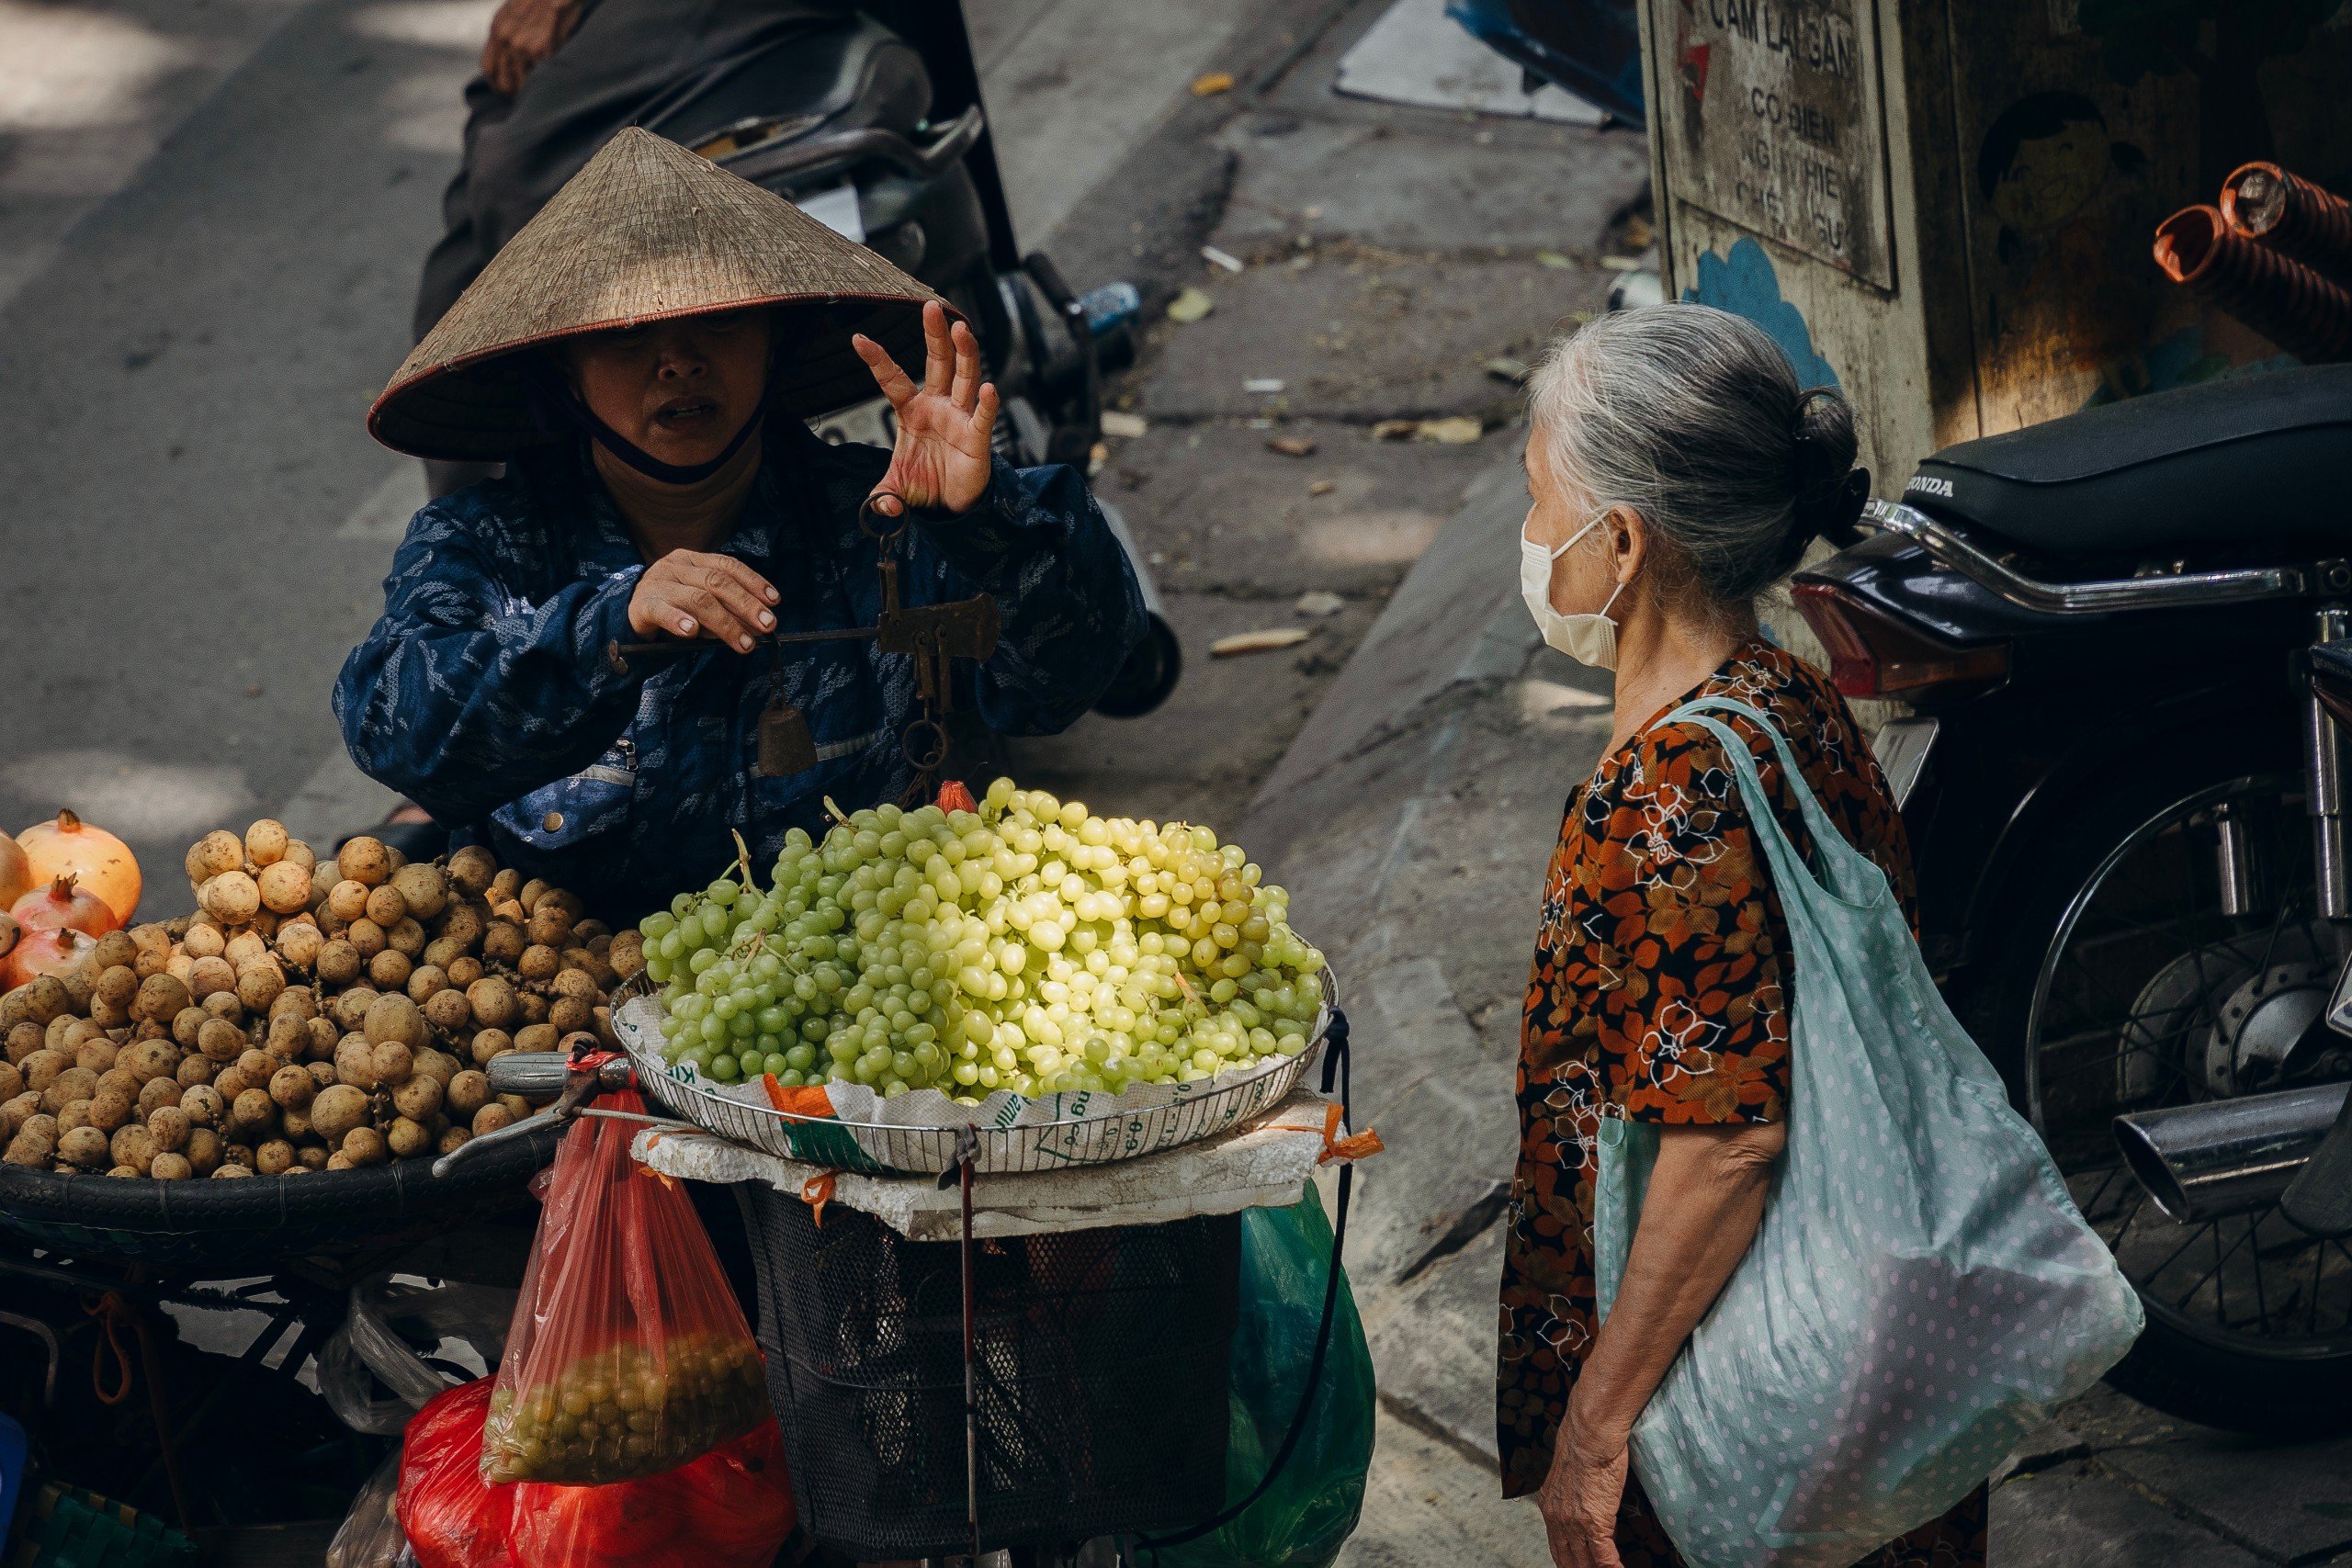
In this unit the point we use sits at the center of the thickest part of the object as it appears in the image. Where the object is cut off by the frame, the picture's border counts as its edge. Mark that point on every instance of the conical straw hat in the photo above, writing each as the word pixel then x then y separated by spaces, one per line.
pixel 647 231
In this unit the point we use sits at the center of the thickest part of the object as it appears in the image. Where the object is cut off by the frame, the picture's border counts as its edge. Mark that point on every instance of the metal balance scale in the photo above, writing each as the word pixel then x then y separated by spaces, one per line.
pixel 932 635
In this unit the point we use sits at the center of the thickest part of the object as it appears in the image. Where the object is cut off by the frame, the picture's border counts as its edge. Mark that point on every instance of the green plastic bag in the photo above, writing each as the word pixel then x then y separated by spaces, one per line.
pixel 1309 1511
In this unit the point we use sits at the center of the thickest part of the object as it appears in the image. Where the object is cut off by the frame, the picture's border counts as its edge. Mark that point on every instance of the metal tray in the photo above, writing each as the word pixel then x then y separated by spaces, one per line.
pixel 1102 1129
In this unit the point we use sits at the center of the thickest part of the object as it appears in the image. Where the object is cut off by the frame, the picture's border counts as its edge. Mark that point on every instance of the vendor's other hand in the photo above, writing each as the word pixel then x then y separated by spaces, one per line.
pixel 522 34
pixel 688 593
pixel 942 460
pixel 1581 1495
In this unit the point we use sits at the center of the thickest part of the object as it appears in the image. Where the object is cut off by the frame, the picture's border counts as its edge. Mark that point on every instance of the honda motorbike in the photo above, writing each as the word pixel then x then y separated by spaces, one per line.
pixel 2119 639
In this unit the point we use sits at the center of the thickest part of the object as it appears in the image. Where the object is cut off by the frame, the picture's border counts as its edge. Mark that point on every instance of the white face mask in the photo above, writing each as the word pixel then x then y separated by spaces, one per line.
pixel 1587 638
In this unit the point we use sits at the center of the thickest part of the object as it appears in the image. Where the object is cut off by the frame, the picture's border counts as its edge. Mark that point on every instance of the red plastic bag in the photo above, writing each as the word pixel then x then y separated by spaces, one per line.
pixel 731 1508
pixel 629 1355
pixel 737 1499
pixel 451 1518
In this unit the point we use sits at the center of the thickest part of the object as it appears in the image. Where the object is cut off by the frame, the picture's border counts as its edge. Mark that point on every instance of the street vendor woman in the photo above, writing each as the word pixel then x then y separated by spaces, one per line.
pixel 641 356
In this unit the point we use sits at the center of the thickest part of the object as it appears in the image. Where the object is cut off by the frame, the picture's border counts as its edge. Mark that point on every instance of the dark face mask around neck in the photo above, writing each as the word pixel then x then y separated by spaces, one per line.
pixel 559 409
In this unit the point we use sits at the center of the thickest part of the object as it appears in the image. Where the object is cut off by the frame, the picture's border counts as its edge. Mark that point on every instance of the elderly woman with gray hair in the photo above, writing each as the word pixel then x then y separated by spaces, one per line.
pixel 1678 471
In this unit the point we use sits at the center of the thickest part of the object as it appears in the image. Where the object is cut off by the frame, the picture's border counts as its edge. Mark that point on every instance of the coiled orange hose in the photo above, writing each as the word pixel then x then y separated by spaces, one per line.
pixel 2286 301
pixel 2292 216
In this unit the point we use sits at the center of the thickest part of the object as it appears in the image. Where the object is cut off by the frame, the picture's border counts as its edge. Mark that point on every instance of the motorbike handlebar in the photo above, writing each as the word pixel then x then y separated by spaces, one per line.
pixel 541 1075
pixel 927 161
pixel 536 1075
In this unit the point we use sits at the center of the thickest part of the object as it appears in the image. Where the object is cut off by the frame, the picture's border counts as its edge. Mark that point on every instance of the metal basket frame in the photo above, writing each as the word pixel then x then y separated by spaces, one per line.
pixel 878 1148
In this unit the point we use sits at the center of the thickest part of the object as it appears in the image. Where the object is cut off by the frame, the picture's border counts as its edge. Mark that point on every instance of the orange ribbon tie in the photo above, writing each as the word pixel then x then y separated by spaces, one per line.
pixel 1355 1146
pixel 818 1191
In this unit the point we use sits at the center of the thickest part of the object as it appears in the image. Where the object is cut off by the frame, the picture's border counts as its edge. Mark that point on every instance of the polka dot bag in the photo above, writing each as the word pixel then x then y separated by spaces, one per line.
pixel 1922 1288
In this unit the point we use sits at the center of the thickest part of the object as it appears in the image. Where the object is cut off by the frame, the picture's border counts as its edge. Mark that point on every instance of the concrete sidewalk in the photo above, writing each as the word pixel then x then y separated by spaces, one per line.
pixel 1414 817
pixel 1412 820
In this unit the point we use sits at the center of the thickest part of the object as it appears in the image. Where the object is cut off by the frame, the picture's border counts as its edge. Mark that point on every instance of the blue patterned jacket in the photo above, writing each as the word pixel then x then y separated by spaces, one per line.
pixel 484 693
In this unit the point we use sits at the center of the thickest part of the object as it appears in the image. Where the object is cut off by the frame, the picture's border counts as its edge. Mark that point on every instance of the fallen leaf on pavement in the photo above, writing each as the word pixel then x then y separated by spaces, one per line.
pixel 1190 305
pixel 1119 423
pixel 1266 641
pixel 1214 82
pixel 1291 446
pixel 1503 367
pixel 1460 430
pixel 1622 264
pixel 1265 385
pixel 1321 487
pixel 1225 259
pixel 1554 259
pixel 1320 603
pixel 1394 429
pixel 1096 456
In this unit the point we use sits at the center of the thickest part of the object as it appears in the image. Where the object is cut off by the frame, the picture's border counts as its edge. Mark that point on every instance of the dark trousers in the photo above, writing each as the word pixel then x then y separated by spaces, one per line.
pixel 625 58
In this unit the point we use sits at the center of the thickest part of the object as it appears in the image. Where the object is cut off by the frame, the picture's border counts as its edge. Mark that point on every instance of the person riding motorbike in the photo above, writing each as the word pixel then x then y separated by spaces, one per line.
pixel 639 355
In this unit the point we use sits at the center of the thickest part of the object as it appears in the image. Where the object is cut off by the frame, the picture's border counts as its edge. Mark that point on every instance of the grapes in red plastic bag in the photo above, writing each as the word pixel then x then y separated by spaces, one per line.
pixel 451 1518
pixel 629 1355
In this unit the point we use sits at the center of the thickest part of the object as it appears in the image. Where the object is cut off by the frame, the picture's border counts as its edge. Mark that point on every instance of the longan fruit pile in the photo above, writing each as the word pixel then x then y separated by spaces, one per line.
pixel 311 1016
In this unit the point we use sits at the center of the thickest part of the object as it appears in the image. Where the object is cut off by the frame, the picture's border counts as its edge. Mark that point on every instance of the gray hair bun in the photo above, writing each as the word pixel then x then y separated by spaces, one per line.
pixel 1691 417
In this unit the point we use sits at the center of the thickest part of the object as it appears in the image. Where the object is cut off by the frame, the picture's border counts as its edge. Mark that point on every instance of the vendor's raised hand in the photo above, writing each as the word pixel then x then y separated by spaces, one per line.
pixel 942 460
pixel 689 593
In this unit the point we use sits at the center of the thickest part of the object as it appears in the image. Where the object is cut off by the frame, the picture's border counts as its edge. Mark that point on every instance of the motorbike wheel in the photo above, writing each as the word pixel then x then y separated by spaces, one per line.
pixel 1147 677
pixel 2116 983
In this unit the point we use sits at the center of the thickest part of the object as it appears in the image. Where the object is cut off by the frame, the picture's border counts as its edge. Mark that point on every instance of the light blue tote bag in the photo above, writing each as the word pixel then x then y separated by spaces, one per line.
pixel 1922 1288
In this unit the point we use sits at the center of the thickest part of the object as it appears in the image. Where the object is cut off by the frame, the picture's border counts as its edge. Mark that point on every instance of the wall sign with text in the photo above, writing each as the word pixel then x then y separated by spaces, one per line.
pixel 1774 105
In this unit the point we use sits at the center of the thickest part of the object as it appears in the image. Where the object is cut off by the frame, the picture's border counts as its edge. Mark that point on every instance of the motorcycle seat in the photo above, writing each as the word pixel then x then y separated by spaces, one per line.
pixel 2246 461
pixel 847 77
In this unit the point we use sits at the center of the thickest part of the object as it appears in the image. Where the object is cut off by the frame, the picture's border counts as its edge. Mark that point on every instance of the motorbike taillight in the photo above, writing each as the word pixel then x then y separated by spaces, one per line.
pixel 1873 655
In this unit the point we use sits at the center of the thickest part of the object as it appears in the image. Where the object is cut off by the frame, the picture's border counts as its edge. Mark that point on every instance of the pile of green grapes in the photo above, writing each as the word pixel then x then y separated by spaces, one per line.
pixel 1027 946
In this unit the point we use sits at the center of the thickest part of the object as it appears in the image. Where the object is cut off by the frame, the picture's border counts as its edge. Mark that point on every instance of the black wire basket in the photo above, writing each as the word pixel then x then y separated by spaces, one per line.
pixel 1102 1378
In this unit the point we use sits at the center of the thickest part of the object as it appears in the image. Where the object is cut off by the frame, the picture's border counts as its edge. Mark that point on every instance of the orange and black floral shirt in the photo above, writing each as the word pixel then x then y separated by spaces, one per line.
pixel 1658 993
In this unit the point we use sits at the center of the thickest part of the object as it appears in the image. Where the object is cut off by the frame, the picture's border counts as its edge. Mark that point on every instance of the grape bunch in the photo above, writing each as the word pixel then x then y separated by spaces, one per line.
pixel 627 1410
pixel 1027 945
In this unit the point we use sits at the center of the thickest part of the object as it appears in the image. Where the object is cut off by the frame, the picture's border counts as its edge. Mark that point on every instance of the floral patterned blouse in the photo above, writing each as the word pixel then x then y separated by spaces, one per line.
pixel 1659 990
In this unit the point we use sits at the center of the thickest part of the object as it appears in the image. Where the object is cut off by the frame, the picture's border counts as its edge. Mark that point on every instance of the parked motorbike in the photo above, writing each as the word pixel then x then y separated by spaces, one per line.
pixel 2119 640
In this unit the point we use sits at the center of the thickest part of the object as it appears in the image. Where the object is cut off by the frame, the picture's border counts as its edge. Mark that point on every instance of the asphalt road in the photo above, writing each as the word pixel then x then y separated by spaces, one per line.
pixel 211 215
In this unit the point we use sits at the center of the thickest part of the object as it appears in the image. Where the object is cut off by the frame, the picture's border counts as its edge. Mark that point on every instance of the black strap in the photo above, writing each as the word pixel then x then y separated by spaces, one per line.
pixel 557 405
pixel 1335 1065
